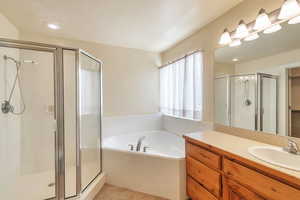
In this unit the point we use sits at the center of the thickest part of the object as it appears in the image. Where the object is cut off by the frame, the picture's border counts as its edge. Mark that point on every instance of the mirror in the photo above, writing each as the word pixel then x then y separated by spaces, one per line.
pixel 257 84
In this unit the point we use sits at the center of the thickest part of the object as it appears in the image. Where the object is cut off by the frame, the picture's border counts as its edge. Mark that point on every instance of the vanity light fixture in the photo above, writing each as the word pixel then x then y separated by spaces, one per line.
pixel 295 20
pixel 262 21
pixel 252 37
pixel 235 59
pixel 242 30
pixel 289 11
pixel 290 8
pixel 225 38
pixel 235 43
pixel 273 29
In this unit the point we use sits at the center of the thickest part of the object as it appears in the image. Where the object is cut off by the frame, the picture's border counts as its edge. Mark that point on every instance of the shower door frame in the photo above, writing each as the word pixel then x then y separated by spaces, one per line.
pixel 228 96
pixel 260 109
pixel 258 126
pixel 58 77
pixel 79 188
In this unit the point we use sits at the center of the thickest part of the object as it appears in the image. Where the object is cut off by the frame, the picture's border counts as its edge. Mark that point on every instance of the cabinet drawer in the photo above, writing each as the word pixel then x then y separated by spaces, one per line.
pixel 209 178
pixel 211 159
pixel 265 186
pixel 197 192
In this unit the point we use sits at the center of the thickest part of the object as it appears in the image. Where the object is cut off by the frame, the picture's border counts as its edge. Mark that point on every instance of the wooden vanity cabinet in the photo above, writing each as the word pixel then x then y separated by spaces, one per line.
pixel 234 191
pixel 213 174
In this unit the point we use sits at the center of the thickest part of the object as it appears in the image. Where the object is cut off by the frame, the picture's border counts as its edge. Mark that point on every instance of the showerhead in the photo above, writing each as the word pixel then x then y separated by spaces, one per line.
pixel 30 62
pixel 5 57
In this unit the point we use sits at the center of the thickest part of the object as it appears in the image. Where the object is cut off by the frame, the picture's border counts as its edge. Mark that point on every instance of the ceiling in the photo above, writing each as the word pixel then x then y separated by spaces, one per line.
pixel 284 40
pixel 152 25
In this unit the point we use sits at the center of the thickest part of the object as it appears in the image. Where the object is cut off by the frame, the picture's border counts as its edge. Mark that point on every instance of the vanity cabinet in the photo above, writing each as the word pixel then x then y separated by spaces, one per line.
pixel 234 191
pixel 213 174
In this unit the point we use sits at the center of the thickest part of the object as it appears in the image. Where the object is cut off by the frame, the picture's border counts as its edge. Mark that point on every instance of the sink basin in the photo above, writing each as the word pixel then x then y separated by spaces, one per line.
pixel 276 156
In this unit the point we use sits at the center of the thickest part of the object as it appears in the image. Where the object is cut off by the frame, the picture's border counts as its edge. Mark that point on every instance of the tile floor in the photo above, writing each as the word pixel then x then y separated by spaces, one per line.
pixel 110 192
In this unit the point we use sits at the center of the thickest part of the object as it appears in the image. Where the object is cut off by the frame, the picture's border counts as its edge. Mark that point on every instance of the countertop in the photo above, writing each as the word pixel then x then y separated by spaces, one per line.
pixel 238 146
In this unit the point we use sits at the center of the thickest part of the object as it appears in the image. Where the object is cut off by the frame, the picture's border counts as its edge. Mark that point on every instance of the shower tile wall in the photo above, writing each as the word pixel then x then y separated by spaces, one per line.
pixel 27 140
pixel 242 115
pixel 37 136
pixel 10 134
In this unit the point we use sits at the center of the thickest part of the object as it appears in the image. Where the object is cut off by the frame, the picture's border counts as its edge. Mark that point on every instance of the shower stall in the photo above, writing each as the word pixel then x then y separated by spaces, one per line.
pixel 50 118
pixel 248 101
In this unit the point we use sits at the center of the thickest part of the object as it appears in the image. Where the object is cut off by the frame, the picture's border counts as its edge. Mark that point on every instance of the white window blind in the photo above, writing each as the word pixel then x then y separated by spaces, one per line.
pixel 181 87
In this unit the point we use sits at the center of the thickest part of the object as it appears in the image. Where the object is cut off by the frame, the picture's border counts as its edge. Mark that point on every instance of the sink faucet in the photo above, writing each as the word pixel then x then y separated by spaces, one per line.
pixel 292 147
pixel 139 143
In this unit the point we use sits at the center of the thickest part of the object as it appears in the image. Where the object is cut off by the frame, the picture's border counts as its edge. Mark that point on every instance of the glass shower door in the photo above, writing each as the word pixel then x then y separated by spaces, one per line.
pixel 222 99
pixel 268 103
pixel 90 118
pixel 243 101
pixel 27 120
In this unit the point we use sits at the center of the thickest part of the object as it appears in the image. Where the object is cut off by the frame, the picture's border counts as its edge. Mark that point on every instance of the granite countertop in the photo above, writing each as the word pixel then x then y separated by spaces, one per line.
pixel 238 146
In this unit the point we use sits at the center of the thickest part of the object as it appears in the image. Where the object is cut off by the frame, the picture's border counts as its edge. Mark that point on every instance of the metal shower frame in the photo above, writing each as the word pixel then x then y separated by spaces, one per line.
pixel 258 98
pixel 57 52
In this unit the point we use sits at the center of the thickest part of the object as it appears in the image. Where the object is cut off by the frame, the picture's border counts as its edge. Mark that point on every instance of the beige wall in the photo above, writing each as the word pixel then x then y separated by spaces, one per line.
pixel 223 69
pixel 130 78
pixel 8 30
pixel 207 39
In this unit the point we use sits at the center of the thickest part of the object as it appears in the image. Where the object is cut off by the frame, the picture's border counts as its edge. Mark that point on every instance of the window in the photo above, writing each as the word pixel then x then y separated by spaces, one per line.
pixel 181 89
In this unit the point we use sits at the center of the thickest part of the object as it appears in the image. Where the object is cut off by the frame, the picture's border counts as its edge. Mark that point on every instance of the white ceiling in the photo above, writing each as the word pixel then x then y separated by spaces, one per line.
pixel 152 25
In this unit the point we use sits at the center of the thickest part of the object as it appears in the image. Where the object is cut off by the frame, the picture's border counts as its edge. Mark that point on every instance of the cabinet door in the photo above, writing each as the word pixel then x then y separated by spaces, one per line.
pixel 234 191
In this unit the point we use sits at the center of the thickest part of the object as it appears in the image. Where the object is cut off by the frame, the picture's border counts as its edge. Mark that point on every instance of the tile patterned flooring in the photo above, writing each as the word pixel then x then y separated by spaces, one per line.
pixel 110 192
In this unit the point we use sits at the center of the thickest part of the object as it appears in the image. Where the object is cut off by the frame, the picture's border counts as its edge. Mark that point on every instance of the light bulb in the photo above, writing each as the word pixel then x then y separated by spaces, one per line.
pixel 225 38
pixel 242 30
pixel 273 29
pixel 295 20
pixel 235 43
pixel 290 8
pixel 54 26
pixel 262 20
pixel 252 37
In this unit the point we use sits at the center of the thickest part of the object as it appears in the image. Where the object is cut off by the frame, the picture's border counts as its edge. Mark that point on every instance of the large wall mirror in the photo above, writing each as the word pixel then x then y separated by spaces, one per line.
pixel 257 84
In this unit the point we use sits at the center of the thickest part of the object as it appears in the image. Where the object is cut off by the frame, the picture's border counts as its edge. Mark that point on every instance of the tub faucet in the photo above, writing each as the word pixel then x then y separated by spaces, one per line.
pixel 139 143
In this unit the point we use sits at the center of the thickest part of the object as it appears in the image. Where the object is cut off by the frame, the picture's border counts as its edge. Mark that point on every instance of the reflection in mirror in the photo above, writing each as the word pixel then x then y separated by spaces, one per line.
pixel 257 84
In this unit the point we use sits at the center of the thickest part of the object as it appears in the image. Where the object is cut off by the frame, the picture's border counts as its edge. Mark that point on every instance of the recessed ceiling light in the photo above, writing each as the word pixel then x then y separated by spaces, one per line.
pixel 235 59
pixel 54 26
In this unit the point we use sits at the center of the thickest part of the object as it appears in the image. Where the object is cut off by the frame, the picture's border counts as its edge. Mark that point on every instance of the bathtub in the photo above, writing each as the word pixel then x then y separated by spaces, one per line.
pixel 159 171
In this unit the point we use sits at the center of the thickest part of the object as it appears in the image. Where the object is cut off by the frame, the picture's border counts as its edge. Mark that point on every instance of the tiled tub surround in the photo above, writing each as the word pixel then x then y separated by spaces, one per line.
pixel 160 171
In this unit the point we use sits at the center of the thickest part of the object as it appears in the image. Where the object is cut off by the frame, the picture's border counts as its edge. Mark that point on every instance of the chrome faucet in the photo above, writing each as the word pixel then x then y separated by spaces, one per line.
pixel 139 143
pixel 292 147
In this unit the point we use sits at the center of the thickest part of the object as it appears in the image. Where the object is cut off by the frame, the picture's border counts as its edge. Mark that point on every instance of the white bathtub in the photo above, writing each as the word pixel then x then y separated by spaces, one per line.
pixel 160 171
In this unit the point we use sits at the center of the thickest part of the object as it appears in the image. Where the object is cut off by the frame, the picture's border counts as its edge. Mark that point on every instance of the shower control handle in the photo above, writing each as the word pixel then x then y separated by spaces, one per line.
pixel 145 149
pixel 131 147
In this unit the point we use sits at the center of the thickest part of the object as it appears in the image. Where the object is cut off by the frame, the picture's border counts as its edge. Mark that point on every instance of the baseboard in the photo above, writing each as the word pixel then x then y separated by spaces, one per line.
pixel 94 188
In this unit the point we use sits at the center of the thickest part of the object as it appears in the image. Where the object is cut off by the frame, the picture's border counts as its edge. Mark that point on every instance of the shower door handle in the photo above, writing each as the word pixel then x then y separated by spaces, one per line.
pixel 54 126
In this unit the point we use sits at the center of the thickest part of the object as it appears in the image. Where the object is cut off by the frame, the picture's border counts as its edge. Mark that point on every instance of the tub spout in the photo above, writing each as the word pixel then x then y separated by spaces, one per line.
pixel 139 143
